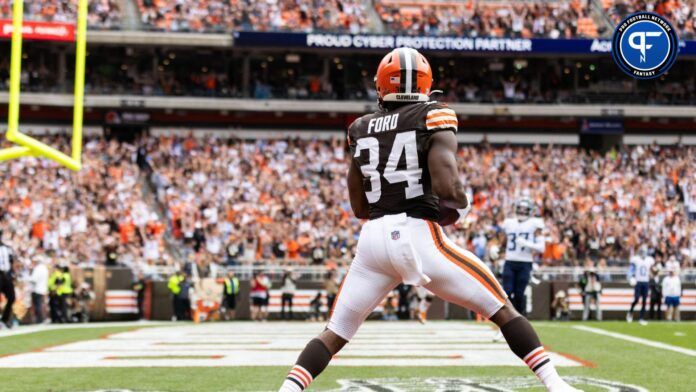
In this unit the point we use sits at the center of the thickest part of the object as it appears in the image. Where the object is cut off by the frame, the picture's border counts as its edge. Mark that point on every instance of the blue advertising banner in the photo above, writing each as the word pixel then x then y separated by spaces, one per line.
pixel 445 44
pixel 601 125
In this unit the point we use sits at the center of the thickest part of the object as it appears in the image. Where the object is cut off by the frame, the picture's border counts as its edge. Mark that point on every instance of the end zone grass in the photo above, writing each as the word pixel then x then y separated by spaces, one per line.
pixel 42 339
pixel 611 359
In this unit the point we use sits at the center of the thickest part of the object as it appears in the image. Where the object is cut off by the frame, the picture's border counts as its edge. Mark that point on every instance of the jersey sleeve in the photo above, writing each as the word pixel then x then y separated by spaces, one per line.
pixel 439 117
pixel 540 225
pixel 350 137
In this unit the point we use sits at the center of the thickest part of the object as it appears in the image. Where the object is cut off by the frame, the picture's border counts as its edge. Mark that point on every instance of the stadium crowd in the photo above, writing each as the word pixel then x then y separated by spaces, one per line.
pixel 101 14
pixel 561 19
pixel 92 217
pixel 682 13
pixel 243 202
pixel 557 19
pixel 595 207
pixel 516 80
pixel 283 201
pixel 225 16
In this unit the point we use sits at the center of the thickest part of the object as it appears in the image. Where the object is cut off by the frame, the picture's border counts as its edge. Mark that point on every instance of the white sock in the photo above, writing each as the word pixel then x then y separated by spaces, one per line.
pixel 540 363
pixel 289 386
pixel 549 376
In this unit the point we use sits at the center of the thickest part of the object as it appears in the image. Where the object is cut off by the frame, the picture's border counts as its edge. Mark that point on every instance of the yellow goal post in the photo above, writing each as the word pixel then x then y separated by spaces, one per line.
pixel 26 145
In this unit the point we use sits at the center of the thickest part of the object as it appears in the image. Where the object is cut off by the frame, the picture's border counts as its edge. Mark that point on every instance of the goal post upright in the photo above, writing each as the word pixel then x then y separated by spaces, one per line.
pixel 26 145
pixel 79 89
pixel 15 75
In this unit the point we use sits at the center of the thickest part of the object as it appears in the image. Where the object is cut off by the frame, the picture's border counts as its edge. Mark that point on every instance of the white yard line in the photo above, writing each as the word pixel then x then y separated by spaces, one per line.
pixel 277 344
pixel 634 339
pixel 23 330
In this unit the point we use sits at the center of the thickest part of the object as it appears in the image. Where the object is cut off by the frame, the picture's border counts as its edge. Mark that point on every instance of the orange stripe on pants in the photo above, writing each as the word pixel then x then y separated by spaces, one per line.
pixel 468 265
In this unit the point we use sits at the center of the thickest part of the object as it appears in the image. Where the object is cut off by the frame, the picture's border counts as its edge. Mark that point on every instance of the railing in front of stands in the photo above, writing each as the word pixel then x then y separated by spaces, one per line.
pixel 97 101
pixel 317 273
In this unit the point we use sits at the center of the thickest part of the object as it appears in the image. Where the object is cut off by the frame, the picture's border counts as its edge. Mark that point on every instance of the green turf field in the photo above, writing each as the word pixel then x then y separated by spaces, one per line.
pixel 607 358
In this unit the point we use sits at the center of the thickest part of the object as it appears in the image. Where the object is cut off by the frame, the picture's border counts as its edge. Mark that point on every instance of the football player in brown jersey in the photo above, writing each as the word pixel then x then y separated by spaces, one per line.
pixel 403 179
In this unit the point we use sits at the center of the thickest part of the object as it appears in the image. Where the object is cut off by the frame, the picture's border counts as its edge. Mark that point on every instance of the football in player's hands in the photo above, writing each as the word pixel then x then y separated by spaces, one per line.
pixel 448 216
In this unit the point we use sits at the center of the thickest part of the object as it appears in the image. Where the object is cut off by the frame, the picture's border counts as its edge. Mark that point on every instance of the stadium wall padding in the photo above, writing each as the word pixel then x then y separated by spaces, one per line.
pixel 160 300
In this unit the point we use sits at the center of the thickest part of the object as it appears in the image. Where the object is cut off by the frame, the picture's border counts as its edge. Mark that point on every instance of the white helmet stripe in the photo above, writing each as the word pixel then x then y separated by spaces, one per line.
pixel 409 67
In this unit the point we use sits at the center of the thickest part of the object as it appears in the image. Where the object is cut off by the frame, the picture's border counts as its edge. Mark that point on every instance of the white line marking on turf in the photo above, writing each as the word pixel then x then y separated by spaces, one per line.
pixel 27 329
pixel 435 344
pixel 634 339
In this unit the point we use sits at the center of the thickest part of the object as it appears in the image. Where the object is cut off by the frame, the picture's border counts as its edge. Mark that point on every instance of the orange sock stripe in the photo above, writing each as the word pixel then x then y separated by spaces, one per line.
pixel 534 353
pixel 538 352
pixel 299 376
pixel 537 360
pixel 466 264
pixel 305 373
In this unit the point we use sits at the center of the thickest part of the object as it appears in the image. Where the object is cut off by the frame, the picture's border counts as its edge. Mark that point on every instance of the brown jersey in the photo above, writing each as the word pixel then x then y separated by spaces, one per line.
pixel 391 150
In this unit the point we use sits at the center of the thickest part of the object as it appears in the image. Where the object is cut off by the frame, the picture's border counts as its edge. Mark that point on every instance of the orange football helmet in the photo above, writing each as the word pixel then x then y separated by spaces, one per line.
pixel 404 75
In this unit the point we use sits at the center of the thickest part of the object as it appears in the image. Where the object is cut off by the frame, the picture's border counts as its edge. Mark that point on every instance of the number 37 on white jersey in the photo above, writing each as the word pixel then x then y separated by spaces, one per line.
pixel 520 234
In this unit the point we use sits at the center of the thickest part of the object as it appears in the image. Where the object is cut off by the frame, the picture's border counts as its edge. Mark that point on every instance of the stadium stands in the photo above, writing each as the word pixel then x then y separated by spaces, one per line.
pixel 83 218
pixel 335 75
pixel 682 13
pixel 541 19
pixel 555 19
pixel 102 14
pixel 223 16
pixel 479 80
pixel 266 200
pixel 596 206
pixel 283 201
pixel 243 202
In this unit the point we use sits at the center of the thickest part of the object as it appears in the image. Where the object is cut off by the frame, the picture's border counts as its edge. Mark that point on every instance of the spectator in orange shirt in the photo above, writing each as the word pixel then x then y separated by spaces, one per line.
pixel 39 229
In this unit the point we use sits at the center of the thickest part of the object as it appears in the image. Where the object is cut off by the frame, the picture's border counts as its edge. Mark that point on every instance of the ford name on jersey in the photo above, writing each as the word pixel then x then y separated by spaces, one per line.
pixel 390 147
pixel 381 124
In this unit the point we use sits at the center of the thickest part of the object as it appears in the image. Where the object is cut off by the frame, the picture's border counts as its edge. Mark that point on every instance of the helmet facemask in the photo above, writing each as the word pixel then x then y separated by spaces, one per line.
pixel 524 209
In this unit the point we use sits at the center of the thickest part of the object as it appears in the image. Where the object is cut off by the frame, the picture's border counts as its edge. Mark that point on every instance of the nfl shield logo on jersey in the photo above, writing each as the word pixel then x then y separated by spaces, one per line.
pixel 396 235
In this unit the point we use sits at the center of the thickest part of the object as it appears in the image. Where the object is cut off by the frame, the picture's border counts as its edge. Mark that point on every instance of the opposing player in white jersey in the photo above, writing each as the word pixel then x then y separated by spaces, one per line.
pixel 525 238
pixel 639 276
pixel 403 180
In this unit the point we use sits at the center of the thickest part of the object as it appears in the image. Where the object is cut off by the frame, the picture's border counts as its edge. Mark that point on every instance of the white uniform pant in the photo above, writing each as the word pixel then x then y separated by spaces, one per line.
pixel 397 248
